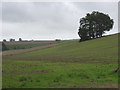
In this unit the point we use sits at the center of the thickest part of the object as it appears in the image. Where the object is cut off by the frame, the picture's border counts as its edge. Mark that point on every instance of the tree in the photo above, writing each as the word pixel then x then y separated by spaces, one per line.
pixel 20 39
pixel 4 47
pixel 4 40
pixel 57 39
pixel 12 40
pixel 94 25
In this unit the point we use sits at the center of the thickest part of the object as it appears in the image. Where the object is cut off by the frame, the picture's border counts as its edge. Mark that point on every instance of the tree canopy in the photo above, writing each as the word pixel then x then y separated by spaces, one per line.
pixel 94 25
pixel 20 39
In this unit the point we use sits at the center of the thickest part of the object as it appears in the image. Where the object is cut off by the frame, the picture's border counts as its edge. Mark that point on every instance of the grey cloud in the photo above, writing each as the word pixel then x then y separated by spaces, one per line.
pixel 40 20
pixel 32 12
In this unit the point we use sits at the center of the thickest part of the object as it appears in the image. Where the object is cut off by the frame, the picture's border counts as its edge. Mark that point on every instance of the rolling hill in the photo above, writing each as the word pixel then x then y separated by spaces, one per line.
pixel 103 49
pixel 71 64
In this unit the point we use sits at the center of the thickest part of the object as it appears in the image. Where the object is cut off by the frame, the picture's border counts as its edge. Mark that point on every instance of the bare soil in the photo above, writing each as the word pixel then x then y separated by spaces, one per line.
pixel 10 52
pixel 28 42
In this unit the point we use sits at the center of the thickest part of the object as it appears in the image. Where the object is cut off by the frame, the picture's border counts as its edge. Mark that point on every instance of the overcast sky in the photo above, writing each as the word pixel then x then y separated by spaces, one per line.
pixel 50 20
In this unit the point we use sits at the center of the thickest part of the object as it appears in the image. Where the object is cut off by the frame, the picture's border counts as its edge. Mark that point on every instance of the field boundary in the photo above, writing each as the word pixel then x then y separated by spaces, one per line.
pixel 27 50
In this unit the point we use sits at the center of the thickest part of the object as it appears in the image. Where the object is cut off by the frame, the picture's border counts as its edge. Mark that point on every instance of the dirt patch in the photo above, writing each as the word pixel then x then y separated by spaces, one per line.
pixel 99 85
pixel 28 42
pixel 12 52
pixel 46 71
pixel 30 72
pixel 39 71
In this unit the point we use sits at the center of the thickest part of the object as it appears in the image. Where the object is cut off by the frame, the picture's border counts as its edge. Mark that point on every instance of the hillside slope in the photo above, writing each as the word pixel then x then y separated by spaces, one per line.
pixel 89 64
pixel 103 49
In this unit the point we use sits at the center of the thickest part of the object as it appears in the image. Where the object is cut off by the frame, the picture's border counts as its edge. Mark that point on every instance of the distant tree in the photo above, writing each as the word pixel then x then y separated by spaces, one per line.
pixel 57 40
pixel 20 39
pixel 4 47
pixel 4 40
pixel 94 25
pixel 12 40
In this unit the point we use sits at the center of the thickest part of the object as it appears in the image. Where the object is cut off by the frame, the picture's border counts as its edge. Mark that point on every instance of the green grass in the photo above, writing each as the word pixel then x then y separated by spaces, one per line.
pixel 72 64
pixel 38 74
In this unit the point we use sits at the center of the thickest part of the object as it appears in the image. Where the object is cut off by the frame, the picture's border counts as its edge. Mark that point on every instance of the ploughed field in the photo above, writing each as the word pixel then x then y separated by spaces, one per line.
pixel 27 44
pixel 89 64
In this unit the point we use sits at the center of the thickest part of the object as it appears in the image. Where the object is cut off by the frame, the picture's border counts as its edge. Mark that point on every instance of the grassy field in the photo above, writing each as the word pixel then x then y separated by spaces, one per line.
pixel 89 64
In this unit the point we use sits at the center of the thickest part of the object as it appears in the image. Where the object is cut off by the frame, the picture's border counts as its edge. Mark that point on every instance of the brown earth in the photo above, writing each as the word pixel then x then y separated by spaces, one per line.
pixel 28 42
pixel 10 52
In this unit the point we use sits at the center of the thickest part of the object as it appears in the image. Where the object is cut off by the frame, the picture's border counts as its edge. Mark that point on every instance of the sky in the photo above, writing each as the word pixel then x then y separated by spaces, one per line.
pixel 50 20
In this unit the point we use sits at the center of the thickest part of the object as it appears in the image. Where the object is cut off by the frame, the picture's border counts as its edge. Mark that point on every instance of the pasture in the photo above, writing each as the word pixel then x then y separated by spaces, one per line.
pixel 73 64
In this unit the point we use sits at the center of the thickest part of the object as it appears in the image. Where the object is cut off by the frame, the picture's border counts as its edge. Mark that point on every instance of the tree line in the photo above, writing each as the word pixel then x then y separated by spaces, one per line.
pixel 94 25
pixel 12 40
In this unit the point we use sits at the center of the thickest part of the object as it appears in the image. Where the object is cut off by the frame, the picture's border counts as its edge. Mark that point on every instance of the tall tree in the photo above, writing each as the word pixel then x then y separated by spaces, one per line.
pixel 94 25
pixel 4 47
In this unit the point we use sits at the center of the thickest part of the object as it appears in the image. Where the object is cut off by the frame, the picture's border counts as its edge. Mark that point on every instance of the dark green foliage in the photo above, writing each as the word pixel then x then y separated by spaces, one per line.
pixel 4 40
pixel 20 39
pixel 57 40
pixel 12 40
pixel 4 47
pixel 94 25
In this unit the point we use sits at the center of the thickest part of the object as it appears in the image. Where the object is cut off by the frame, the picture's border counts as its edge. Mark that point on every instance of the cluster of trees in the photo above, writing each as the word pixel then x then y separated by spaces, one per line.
pixel 4 47
pixel 94 25
pixel 57 40
pixel 11 40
